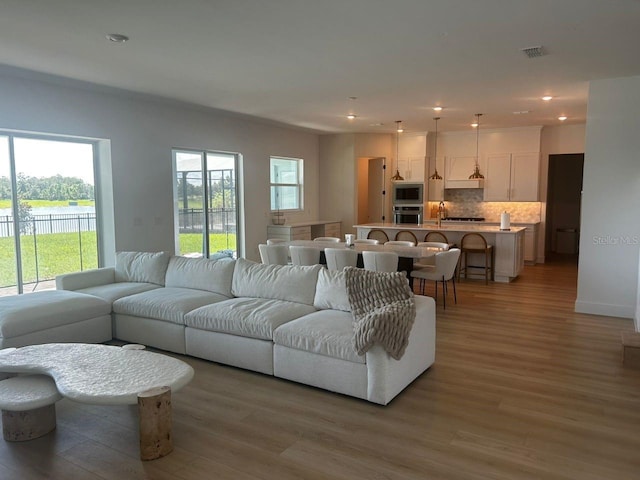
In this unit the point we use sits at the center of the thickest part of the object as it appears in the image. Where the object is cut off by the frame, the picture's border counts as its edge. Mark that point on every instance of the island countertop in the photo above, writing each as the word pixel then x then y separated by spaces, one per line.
pixel 429 227
pixel 508 245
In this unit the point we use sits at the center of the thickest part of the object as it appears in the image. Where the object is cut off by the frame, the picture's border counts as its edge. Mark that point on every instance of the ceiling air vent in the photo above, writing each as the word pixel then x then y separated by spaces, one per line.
pixel 533 52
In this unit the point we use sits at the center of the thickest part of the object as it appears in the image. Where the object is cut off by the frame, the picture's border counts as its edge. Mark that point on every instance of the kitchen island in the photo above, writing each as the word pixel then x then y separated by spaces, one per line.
pixel 508 245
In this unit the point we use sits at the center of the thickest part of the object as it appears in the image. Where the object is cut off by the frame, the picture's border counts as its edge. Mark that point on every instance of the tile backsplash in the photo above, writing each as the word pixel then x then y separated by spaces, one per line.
pixel 468 202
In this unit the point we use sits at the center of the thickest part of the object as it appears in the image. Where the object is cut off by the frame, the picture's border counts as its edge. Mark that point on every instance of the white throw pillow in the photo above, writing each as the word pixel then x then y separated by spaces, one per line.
pixel 201 273
pixel 292 283
pixel 331 291
pixel 141 267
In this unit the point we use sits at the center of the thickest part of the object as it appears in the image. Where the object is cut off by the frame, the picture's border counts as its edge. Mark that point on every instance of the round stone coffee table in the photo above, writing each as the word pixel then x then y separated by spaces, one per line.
pixel 110 375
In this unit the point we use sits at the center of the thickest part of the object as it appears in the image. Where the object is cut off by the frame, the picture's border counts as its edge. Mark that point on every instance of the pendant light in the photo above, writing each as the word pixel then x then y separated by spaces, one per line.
pixel 436 175
pixel 399 129
pixel 476 175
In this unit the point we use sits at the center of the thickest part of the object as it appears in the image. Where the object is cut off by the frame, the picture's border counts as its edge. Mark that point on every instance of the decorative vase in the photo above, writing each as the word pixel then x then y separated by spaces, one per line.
pixel 278 218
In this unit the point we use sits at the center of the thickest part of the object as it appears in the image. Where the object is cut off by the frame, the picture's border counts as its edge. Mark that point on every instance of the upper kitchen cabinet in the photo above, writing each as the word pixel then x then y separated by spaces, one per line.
pixel 412 168
pixel 411 156
pixel 457 171
pixel 512 177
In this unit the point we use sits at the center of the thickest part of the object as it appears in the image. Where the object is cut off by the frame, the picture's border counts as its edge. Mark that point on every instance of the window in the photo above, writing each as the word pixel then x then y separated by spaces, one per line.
pixel 206 212
pixel 286 184
pixel 48 223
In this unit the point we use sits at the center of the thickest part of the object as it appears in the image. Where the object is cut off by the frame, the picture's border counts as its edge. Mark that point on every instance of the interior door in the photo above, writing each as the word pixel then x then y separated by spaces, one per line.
pixel 375 212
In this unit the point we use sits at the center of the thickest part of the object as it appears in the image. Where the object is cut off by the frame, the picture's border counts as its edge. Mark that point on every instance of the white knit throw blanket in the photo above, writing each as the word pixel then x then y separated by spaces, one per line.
pixel 383 310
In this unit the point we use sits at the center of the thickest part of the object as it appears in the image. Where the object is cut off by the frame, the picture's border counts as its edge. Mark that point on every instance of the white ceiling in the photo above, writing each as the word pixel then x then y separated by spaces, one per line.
pixel 299 61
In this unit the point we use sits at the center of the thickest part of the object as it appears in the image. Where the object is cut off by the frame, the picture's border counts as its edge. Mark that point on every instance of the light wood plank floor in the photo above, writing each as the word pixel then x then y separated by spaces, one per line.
pixel 522 388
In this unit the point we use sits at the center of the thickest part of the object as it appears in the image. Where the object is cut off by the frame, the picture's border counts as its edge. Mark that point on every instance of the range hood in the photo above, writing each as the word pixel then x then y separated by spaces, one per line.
pixel 474 183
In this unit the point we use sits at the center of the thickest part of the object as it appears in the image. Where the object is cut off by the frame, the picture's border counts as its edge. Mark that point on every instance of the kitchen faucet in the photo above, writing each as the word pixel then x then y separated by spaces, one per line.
pixel 441 208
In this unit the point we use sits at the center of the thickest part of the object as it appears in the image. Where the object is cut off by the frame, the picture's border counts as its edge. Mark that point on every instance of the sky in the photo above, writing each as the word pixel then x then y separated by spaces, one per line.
pixel 46 158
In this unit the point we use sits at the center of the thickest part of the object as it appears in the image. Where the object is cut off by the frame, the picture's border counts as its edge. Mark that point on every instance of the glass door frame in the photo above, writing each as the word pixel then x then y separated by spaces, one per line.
pixel 204 171
pixel 11 136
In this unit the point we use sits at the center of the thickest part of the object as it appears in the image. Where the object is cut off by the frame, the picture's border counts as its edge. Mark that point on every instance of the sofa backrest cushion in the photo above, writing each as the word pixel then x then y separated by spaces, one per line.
pixel 292 283
pixel 331 291
pixel 141 267
pixel 201 274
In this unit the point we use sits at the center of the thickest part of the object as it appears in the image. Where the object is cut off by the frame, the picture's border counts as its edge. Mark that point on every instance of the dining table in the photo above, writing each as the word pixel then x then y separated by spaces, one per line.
pixel 406 255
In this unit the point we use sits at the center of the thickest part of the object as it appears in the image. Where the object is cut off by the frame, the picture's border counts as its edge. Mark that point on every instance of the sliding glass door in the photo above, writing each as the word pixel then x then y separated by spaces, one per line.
pixel 47 211
pixel 206 203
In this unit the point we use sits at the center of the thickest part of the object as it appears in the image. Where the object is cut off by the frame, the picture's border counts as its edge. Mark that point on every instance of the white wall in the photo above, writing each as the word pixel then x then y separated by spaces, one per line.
pixel 339 158
pixel 610 229
pixel 142 132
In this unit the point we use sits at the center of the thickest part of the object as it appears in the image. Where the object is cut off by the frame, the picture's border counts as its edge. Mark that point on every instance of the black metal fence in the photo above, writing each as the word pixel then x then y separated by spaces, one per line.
pixel 220 220
pixel 190 220
pixel 53 223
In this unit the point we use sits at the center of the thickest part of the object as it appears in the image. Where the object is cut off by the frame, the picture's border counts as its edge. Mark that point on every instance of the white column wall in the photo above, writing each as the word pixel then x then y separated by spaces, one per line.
pixel 610 227
pixel 142 132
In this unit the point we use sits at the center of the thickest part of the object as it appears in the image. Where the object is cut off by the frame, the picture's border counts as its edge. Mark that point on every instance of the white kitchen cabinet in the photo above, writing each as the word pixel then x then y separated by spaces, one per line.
pixel 512 177
pixel 305 230
pixel 530 242
pixel 412 168
pixel 436 187
pixel 457 171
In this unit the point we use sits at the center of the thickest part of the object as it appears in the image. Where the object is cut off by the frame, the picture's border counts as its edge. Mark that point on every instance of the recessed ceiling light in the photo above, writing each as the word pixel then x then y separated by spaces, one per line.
pixel 376 124
pixel 521 112
pixel 547 98
pixel 117 38
pixel 437 109
pixel 562 118
pixel 351 116
pixel 474 124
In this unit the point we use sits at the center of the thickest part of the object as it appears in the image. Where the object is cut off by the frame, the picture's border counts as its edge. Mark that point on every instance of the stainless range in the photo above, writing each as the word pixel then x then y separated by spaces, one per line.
pixel 463 219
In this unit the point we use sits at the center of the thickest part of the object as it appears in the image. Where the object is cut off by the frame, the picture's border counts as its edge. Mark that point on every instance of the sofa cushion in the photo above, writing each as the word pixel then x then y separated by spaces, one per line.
pixel 33 312
pixel 201 274
pixel 331 291
pixel 325 332
pixel 169 303
pixel 291 283
pixel 249 317
pixel 141 267
pixel 113 291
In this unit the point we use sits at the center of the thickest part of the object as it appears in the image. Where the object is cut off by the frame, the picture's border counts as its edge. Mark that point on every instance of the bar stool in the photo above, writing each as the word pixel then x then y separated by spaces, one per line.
pixel 407 236
pixel 379 235
pixel 436 237
pixel 476 243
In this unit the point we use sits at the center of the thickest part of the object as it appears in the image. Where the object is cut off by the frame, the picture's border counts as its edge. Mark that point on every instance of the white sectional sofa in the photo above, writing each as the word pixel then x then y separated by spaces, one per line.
pixel 289 321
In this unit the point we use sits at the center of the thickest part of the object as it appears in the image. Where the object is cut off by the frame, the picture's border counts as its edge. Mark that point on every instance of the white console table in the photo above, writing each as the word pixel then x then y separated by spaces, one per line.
pixel 305 230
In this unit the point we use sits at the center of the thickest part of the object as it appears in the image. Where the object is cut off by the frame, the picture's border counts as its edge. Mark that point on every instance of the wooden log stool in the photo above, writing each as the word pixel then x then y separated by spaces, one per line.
pixel 28 407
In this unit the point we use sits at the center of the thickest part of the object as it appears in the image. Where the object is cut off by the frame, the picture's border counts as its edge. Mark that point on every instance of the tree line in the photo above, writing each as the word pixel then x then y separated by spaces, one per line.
pixel 47 188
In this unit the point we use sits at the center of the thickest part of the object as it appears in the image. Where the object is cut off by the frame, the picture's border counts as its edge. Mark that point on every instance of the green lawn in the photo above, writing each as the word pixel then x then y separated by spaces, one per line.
pixel 192 242
pixel 59 253
pixel 49 203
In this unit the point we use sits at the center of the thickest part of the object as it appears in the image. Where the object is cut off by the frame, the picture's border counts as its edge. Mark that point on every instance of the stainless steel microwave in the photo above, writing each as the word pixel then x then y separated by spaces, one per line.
pixel 408 193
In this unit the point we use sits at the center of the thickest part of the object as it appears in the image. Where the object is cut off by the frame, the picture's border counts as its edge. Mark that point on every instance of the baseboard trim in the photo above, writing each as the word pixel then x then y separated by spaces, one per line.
pixel 606 309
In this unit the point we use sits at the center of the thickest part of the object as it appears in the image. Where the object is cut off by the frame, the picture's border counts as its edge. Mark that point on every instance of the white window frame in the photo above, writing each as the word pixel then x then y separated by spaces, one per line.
pixel 299 184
